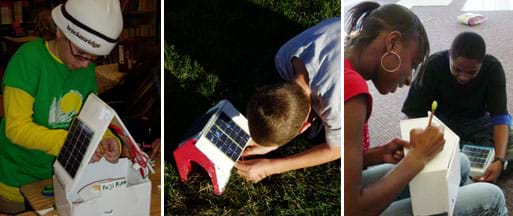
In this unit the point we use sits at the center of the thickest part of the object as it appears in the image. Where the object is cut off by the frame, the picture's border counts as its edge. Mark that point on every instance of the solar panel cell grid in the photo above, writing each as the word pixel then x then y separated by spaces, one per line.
pixel 228 136
pixel 75 147
pixel 476 155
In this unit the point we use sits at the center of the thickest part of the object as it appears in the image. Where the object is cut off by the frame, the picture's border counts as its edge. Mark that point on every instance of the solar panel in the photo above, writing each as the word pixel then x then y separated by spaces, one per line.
pixel 75 146
pixel 228 136
pixel 479 156
pixel 215 142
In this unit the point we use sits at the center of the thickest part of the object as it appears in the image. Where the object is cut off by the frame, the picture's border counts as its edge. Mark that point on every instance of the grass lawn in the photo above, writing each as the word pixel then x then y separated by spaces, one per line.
pixel 224 49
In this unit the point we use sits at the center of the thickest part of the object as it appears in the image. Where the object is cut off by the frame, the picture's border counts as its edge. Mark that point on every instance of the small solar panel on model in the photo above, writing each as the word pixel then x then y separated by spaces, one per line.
pixel 479 157
pixel 215 142
pixel 75 146
pixel 228 136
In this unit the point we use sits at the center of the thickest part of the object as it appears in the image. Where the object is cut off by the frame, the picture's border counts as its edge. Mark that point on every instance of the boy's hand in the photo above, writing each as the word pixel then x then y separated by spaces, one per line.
pixel 97 155
pixel 254 170
pixel 491 174
pixel 111 149
pixel 254 148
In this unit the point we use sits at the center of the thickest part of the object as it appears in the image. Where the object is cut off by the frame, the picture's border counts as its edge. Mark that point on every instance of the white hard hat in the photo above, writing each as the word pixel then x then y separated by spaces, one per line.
pixel 92 25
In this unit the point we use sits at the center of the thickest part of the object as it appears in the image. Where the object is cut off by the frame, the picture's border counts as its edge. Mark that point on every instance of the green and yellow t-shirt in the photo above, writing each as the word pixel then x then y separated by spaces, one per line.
pixel 41 97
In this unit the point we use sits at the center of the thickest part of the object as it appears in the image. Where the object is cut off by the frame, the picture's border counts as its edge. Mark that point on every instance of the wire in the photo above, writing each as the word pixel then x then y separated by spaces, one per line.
pixel 136 155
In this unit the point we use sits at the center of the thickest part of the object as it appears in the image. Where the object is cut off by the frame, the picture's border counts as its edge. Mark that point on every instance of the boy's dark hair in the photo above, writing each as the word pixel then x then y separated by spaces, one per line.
pixel 469 45
pixel 369 19
pixel 276 113
pixel 44 25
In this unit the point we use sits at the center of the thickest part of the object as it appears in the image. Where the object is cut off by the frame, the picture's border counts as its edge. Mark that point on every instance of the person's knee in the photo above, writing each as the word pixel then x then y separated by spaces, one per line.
pixel 497 199
pixel 497 193
pixel 481 199
pixel 464 169
pixel 491 194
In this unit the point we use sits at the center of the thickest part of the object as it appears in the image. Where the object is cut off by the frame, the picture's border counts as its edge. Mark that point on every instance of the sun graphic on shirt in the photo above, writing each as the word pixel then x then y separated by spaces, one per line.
pixel 71 102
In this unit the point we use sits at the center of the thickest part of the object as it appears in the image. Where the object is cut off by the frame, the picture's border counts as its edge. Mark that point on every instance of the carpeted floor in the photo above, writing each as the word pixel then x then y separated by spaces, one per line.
pixel 441 26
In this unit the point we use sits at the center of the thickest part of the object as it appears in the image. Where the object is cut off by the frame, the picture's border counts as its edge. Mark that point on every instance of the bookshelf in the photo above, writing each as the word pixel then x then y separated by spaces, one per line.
pixel 17 24
pixel 141 29
pixel 22 11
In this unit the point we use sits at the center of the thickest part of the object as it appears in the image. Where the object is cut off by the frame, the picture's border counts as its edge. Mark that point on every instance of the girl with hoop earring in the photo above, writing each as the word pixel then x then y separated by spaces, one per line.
pixel 386 43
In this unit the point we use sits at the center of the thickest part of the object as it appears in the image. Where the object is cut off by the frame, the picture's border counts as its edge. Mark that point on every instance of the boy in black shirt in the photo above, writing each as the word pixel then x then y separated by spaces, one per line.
pixel 470 89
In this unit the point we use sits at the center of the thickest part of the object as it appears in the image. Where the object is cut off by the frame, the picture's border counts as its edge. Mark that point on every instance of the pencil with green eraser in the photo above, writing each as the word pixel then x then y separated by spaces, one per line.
pixel 433 108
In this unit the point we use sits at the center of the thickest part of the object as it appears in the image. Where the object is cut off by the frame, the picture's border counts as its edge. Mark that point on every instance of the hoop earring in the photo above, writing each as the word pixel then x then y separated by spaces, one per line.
pixel 396 68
